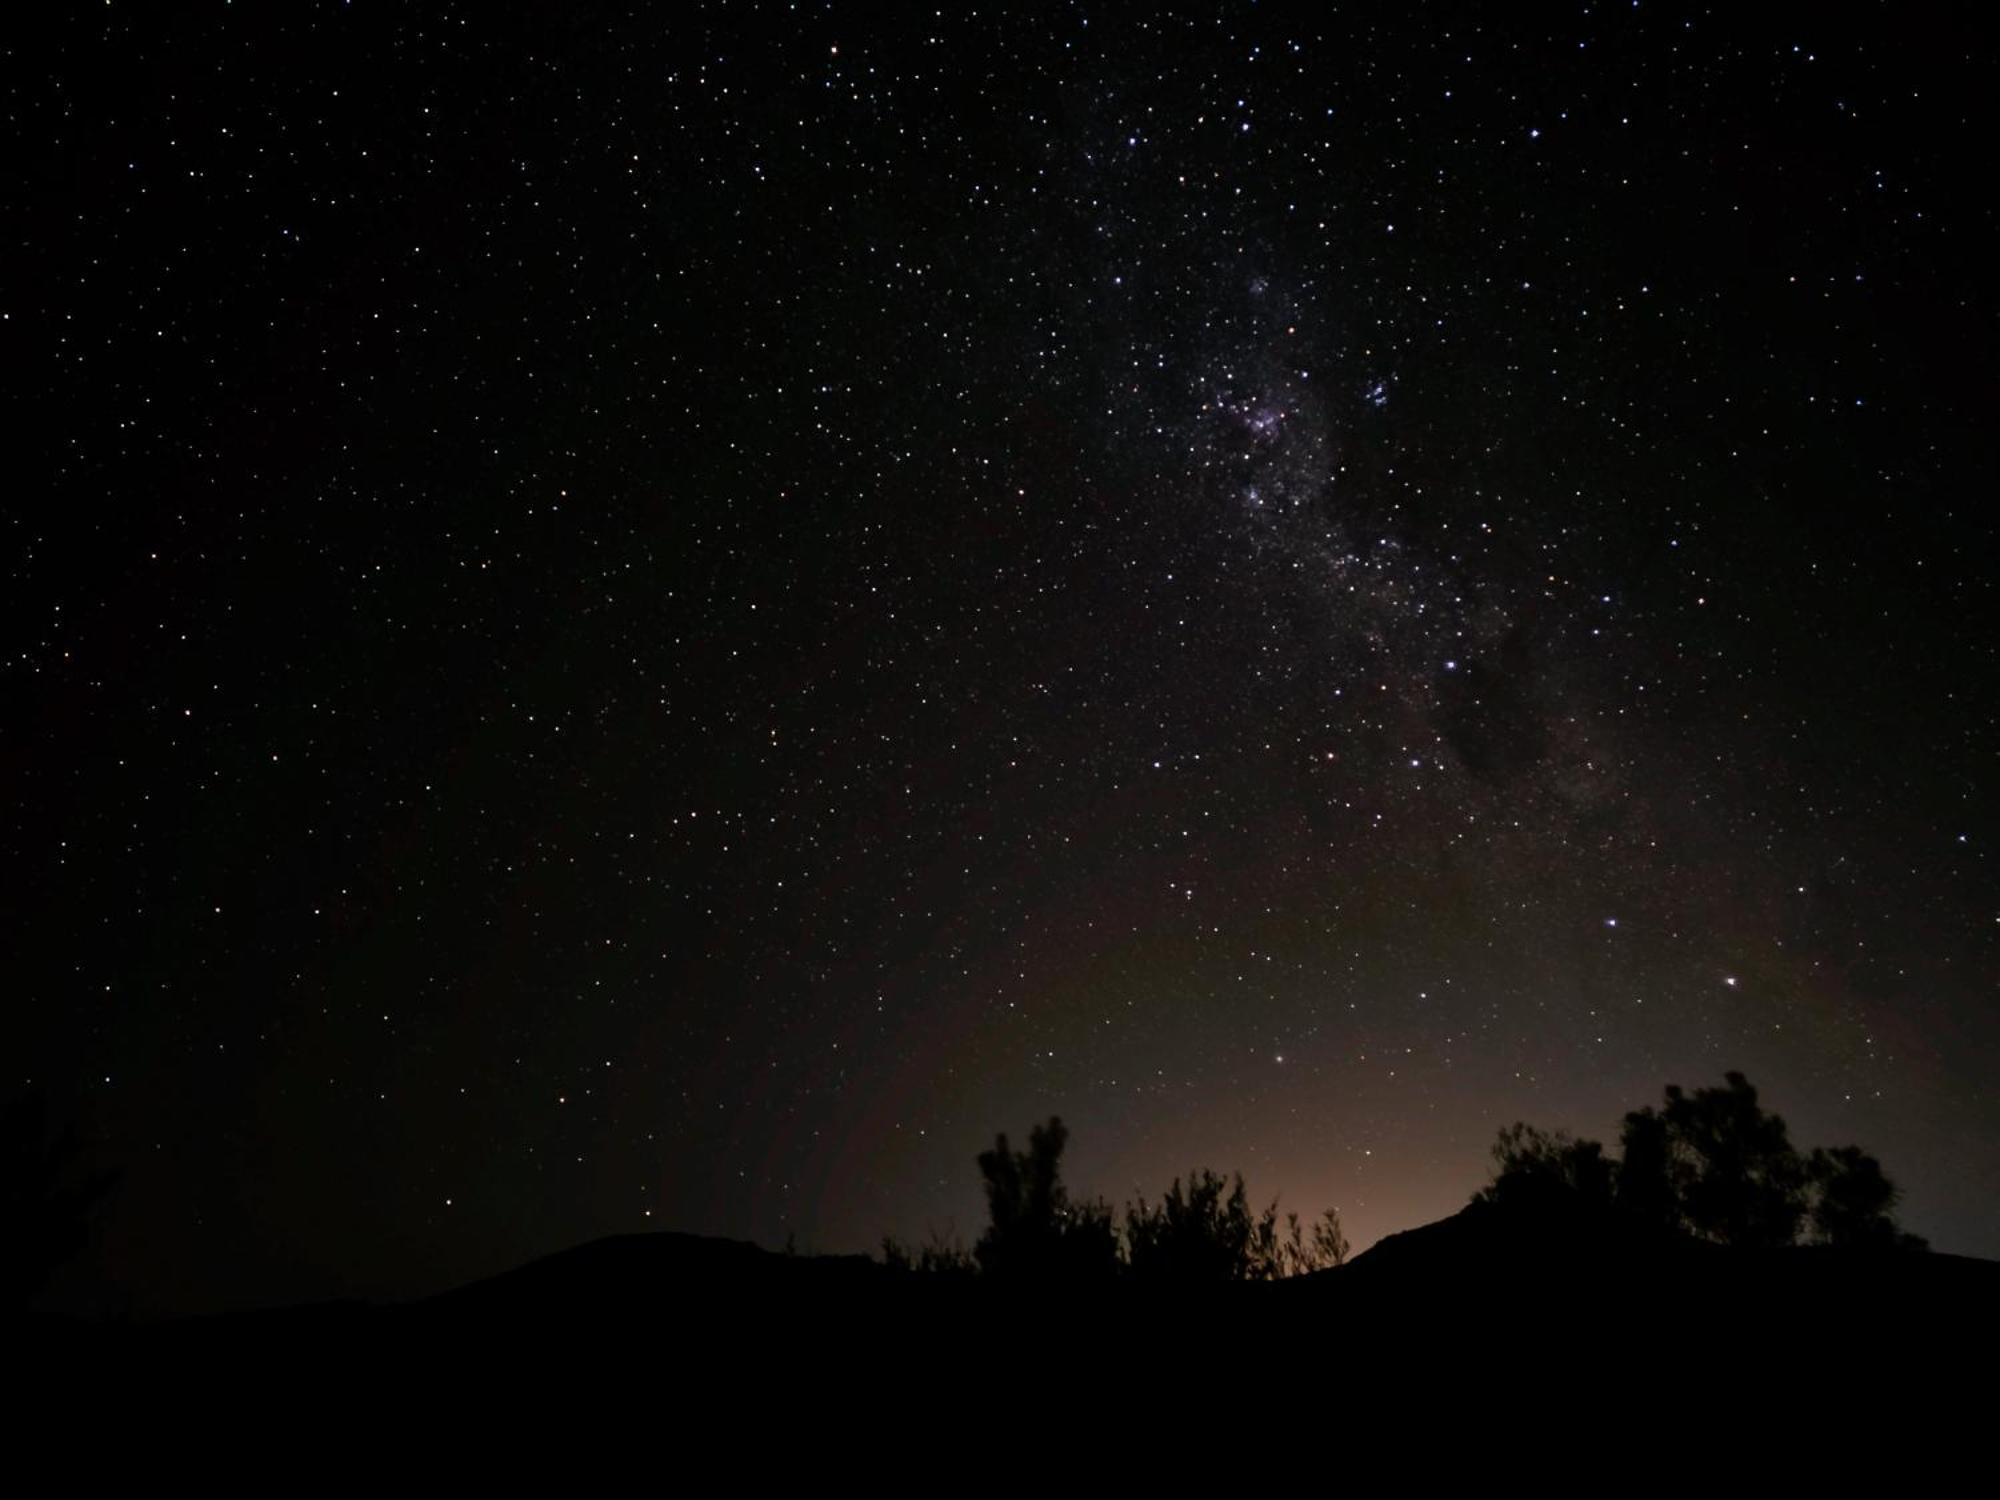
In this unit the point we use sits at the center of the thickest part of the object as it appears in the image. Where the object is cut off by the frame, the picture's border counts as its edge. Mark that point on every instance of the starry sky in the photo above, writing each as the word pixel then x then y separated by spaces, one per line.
pixel 667 616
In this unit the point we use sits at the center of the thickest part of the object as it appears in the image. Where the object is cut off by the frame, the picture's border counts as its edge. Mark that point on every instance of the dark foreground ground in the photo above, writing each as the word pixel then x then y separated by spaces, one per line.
pixel 1543 1352
pixel 1487 1293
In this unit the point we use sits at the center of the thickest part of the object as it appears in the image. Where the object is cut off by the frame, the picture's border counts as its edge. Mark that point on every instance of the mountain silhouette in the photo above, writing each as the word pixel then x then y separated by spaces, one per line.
pixel 1541 1310
pixel 1551 1264
pixel 1545 1263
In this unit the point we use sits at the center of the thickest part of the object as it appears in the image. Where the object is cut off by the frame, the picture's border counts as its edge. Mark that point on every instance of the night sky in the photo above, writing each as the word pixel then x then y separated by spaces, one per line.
pixel 666 617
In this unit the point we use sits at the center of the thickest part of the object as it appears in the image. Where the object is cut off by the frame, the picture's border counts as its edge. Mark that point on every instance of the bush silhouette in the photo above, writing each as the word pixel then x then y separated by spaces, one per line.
pixel 1205 1233
pixel 1297 1252
pixel 1715 1165
pixel 938 1257
pixel 1035 1231
pixel 1200 1231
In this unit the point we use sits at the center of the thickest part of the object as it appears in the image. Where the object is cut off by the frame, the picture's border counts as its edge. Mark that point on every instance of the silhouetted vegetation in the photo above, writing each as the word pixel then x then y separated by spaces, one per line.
pixel 1203 1231
pixel 1712 1165
pixel 1852 1201
pixel 1035 1230
pixel 1527 1157
pixel 940 1256
pixel 1715 1165
pixel 1206 1232
pixel 50 1191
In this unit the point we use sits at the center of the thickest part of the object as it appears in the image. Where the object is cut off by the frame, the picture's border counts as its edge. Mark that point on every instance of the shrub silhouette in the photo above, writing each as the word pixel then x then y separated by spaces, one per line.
pixel 1328 1241
pixel 938 1257
pixel 1036 1232
pixel 1205 1233
pixel 1713 1164
pixel 1201 1231
pixel 1297 1252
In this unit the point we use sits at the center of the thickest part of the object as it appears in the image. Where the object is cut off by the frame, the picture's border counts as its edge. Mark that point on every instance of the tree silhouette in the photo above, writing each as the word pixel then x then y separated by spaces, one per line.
pixel 1735 1173
pixel 1035 1230
pixel 1852 1201
pixel 1644 1185
pixel 1525 1159
pixel 1713 1164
